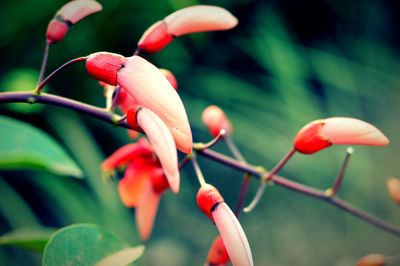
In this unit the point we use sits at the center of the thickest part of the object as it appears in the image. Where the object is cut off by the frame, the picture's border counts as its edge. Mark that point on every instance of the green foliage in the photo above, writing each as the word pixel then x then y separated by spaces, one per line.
pixel 33 238
pixel 86 244
pixel 24 146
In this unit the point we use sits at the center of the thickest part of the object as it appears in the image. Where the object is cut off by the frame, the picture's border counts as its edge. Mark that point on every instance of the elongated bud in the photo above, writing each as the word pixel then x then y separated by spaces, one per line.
pixel 104 66
pixel 170 77
pixel 372 260
pixel 321 134
pixel 217 254
pixel 393 186
pixel 215 120
pixel 200 18
pixel 68 15
pixel 155 38
pixel 208 199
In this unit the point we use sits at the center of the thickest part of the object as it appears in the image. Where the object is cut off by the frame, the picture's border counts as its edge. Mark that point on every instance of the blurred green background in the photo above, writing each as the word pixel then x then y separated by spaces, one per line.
pixel 286 64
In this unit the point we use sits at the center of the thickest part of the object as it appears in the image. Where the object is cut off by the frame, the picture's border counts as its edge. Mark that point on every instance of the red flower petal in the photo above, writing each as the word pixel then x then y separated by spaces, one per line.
pixel 208 198
pixel 155 38
pixel 218 254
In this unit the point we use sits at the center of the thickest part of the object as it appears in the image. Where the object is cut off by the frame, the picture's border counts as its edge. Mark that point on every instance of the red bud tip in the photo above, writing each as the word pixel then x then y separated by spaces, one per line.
pixel 393 186
pixel 170 77
pixel 310 138
pixel 214 118
pixel 131 117
pixel 104 66
pixel 155 38
pixel 208 199
pixel 56 31
pixel 372 260
pixel 218 254
pixel 159 181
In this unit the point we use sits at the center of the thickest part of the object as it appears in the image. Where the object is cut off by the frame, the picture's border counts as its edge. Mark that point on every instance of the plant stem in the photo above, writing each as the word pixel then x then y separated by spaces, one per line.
pixel 297 187
pixel 39 88
pixel 44 61
pixel 233 148
pixel 266 178
pixel 338 180
pixel 197 169
pixel 31 98
pixel 211 143
pixel 102 114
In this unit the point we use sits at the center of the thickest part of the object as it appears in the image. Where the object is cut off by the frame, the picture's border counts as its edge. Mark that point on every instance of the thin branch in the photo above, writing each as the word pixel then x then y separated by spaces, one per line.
pixel 39 88
pixel 44 61
pixel 297 187
pixel 45 98
pixel 211 143
pixel 339 178
pixel 199 174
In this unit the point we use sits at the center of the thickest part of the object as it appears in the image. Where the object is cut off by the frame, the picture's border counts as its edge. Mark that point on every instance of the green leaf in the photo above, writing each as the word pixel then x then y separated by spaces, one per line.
pixel 21 79
pixel 87 244
pixel 24 146
pixel 33 238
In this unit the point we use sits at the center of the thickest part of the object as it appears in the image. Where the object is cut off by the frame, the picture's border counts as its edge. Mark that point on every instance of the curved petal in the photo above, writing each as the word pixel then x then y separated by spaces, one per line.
pixel 344 130
pixel 155 38
pixel 78 9
pixel 218 254
pixel 163 144
pixel 152 90
pixel 126 154
pixel 199 18
pixel 146 211
pixel 232 235
pixel 130 187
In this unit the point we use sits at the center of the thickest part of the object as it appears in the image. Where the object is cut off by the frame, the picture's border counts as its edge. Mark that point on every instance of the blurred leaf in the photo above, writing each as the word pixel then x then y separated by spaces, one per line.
pixel 21 79
pixel 23 146
pixel 33 238
pixel 13 207
pixel 123 257
pixel 87 244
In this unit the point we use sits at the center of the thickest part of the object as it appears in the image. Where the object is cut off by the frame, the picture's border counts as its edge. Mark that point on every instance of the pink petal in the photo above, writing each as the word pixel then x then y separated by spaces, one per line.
pixel 344 130
pixel 151 89
pixel 163 144
pixel 232 235
pixel 146 211
pixel 78 9
pixel 199 18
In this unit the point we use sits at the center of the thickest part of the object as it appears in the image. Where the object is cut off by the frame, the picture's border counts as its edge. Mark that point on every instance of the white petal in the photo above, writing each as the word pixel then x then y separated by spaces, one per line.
pixel 199 18
pixel 344 130
pixel 232 235
pixel 152 90
pixel 163 144
pixel 78 9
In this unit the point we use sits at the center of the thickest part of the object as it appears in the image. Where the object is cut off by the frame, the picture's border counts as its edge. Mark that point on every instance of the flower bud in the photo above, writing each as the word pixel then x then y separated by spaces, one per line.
pixel 57 30
pixel 372 260
pixel 104 66
pixel 214 118
pixel 310 139
pixel 208 199
pixel 218 254
pixel 155 38
pixel 393 186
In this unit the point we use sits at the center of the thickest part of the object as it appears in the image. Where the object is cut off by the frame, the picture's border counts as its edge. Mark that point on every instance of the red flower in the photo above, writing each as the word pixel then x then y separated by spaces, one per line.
pixel 143 183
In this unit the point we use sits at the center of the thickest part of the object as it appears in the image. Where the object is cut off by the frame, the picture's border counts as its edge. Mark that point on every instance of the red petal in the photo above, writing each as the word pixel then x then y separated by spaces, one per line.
pixel 218 254
pixel 146 211
pixel 310 138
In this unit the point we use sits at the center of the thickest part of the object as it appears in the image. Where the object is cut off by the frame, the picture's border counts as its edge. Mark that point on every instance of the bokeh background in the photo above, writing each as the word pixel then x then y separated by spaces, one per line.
pixel 286 64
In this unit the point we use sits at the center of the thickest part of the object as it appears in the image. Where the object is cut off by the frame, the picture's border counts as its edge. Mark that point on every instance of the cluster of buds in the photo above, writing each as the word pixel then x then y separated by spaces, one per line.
pixel 148 98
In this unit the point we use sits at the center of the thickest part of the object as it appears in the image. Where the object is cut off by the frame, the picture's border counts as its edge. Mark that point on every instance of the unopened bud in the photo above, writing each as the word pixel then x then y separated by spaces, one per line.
pixel 155 38
pixel 104 66
pixel 393 186
pixel 215 120
pixel 208 199
pixel 372 260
